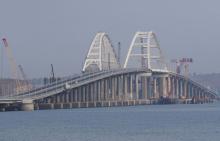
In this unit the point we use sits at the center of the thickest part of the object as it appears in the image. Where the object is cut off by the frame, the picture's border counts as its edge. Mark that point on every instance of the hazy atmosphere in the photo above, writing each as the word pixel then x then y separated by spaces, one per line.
pixel 51 90
pixel 60 32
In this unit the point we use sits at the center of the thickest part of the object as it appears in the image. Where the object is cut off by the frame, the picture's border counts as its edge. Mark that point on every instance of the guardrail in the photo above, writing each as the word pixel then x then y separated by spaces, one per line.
pixel 51 90
pixel 81 79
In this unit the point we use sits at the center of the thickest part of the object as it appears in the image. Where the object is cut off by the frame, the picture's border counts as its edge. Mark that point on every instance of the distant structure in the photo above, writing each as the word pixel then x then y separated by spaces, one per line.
pixel 101 55
pixel 182 64
pixel 145 52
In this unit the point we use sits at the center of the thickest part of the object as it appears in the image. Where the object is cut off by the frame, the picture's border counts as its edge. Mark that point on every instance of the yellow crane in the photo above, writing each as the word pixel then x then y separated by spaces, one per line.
pixel 26 85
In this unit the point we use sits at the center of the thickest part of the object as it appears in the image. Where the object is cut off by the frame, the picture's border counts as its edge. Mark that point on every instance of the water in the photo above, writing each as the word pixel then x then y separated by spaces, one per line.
pixel 140 123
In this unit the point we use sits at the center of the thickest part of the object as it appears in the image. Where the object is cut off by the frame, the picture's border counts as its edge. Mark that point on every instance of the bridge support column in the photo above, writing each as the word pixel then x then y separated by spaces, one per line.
pixel 199 94
pixel 57 97
pixel 144 87
pixel 187 90
pixel 102 89
pixel 87 92
pixel 181 88
pixel 155 95
pixel 163 87
pixel 79 94
pixel 131 87
pixel 83 93
pixel 106 89
pixel 193 91
pixel 90 92
pixel 95 91
pixel 125 87
pixel 186 95
pixel 169 93
pixel 75 94
pixel 202 96
pixel 113 88
pixel 173 88
pixel 99 90
pixel 63 95
pixel 137 86
pixel 27 105
pixel 70 96
pixel 150 87
pixel 120 87
pixel 190 91
pixel 177 88
pixel 117 88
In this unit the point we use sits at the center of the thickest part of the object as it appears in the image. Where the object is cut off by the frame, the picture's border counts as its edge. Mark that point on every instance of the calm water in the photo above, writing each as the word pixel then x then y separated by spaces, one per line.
pixel 141 123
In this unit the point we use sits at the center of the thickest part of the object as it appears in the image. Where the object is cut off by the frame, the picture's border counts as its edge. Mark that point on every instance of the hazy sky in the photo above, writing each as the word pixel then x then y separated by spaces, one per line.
pixel 41 32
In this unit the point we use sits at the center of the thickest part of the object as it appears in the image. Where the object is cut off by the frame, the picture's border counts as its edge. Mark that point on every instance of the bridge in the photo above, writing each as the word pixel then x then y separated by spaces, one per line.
pixel 104 82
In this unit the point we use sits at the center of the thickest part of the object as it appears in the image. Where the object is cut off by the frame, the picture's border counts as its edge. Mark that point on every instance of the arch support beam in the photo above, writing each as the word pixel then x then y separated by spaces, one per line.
pixel 101 55
pixel 145 52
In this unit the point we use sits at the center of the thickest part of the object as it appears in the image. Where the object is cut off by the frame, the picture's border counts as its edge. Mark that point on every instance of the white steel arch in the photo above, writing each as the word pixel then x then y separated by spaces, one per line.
pixel 145 46
pixel 101 55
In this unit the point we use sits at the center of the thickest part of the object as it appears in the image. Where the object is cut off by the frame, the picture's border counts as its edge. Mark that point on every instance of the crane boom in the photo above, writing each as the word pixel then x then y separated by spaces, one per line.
pixel 22 72
pixel 27 85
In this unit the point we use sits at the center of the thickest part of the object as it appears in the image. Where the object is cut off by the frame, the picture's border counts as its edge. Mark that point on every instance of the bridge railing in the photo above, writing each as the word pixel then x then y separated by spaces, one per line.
pixel 82 79
pixel 211 91
pixel 58 85
pixel 77 82
pixel 86 80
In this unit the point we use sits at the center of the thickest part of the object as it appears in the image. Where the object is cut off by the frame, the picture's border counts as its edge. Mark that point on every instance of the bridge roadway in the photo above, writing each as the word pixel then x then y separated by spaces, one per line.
pixel 70 83
pixel 121 85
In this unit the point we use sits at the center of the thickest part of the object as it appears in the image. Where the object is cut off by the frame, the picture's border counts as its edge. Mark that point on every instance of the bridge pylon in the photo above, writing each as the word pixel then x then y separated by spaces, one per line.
pixel 145 52
pixel 101 54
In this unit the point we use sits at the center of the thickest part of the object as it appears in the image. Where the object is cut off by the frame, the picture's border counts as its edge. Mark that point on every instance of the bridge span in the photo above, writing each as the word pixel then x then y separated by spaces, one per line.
pixel 107 84
pixel 121 87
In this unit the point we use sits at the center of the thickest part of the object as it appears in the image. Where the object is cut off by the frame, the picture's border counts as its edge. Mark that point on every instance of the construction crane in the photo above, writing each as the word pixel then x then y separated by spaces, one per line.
pixel 180 63
pixel 2 62
pixel 119 53
pixel 186 62
pixel 52 78
pixel 183 64
pixel 27 86
pixel 13 66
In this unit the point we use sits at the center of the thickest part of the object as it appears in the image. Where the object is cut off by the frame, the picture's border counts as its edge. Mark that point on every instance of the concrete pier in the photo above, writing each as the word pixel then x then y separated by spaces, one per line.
pixel 27 105
pixel 42 106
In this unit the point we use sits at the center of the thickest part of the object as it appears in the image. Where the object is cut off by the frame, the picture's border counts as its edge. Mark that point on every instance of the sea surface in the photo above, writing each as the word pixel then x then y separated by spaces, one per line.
pixel 141 123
